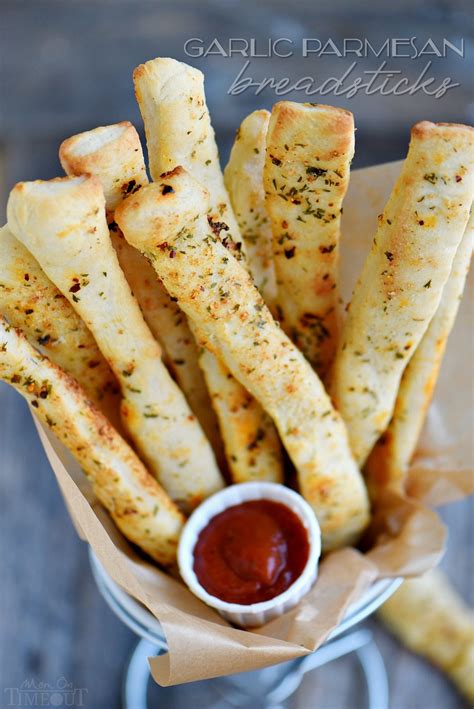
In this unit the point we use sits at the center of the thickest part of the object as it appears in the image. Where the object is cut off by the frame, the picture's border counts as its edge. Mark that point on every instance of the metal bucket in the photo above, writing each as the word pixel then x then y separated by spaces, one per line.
pixel 268 688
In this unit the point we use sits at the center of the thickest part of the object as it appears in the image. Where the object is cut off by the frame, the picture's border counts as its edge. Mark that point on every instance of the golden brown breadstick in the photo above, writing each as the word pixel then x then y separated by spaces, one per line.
pixel 429 617
pixel 169 326
pixel 250 439
pixel 403 278
pixel 32 303
pixel 306 176
pixel 178 131
pixel 243 177
pixel 63 224
pixel 99 152
pixel 114 155
pixel 166 89
pixel 168 222
pixel 138 505
pixel 388 463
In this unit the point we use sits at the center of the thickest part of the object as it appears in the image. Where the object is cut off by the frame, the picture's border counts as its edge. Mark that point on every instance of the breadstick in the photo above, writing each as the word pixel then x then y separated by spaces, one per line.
pixel 178 131
pixel 32 303
pixel 429 617
pixel 166 89
pixel 251 443
pixel 168 222
pixel 250 439
pixel 170 328
pixel 63 224
pixel 403 278
pixel 388 463
pixel 114 155
pixel 243 178
pixel 306 176
pixel 138 505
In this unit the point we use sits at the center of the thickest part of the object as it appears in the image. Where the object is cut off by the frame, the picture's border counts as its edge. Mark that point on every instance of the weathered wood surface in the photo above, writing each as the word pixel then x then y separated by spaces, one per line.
pixel 67 67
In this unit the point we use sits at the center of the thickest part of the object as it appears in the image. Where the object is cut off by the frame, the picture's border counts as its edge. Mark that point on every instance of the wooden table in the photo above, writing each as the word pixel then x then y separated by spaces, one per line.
pixel 66 67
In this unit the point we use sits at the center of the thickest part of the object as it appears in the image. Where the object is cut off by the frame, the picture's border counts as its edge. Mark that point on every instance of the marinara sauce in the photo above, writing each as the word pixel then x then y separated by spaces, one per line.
pixel 251 552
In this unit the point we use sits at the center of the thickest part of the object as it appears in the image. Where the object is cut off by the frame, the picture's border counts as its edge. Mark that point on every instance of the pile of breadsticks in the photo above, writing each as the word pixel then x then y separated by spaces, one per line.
pixel 173 331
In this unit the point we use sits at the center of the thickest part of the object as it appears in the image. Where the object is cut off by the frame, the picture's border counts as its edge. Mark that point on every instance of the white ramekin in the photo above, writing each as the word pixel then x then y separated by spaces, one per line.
pixel 254 614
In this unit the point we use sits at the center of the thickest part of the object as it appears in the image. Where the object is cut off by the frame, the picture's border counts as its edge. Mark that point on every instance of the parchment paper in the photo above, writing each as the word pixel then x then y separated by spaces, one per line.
pixel 406 538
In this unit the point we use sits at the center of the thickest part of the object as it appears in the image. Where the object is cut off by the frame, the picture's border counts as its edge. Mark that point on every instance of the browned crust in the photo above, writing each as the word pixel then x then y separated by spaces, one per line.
pixel 95 444
pixel 423 127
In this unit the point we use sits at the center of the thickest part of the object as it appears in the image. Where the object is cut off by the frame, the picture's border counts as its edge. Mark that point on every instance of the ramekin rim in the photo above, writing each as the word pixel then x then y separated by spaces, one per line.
pixel 263 490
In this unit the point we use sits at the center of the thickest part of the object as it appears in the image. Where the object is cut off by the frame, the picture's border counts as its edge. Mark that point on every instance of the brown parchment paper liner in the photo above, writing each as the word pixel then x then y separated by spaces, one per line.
pixel 405 538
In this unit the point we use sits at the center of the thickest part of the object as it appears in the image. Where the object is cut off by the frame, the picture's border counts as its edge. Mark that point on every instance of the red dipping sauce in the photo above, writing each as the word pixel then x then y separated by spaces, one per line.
pixel 251 552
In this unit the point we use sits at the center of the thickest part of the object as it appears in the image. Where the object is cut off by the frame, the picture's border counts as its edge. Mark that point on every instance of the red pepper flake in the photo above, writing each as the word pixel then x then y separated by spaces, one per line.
pixel 259 436
pixel 27 276
pixel 458 178
pixel 130 187
pixel 172 253
pixel 327 249
pixel 317 171
pixel 217 227
pixel 170 173
pixel 231 245
pixel 75 288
